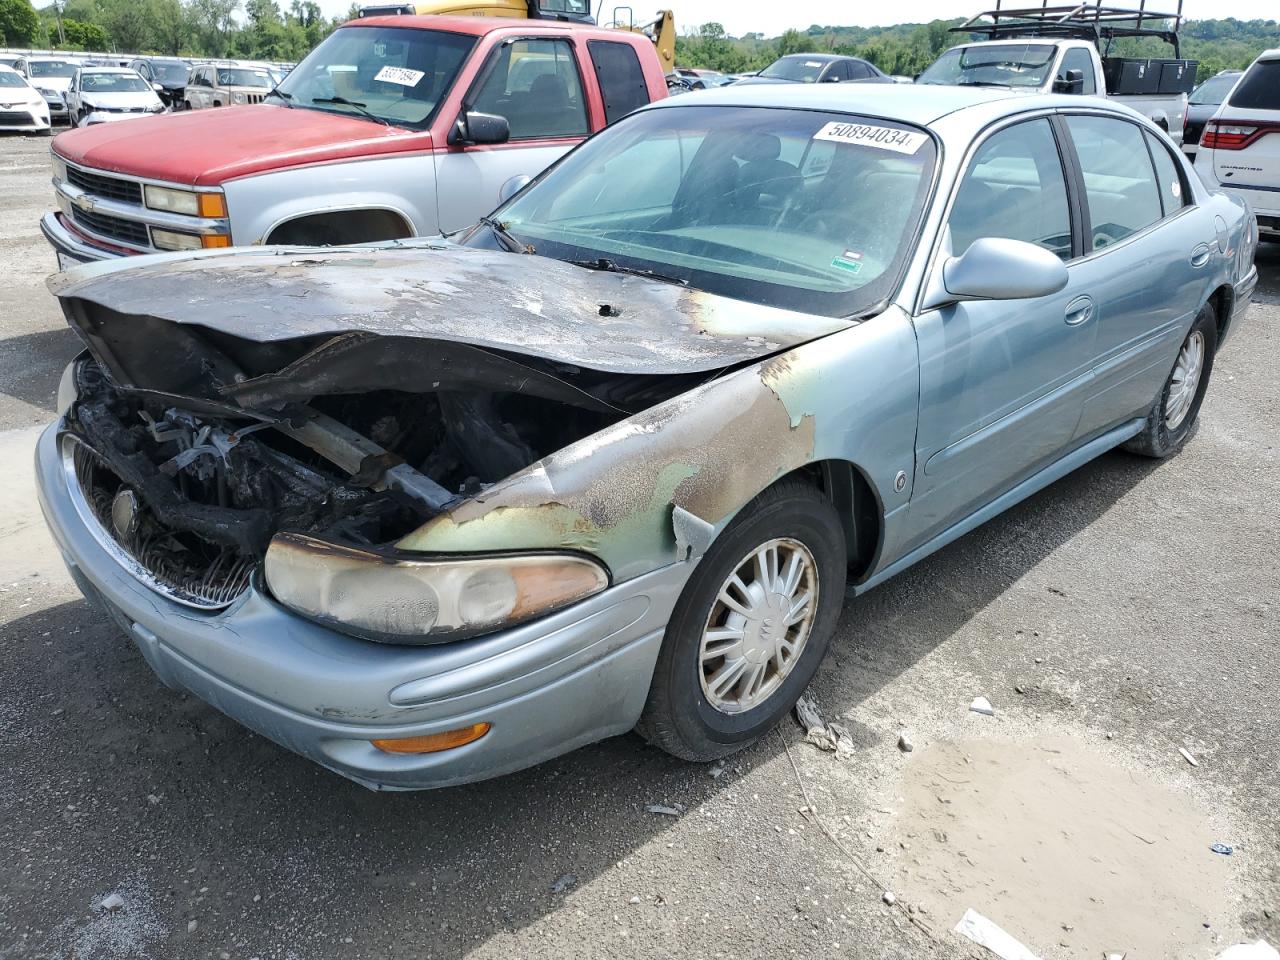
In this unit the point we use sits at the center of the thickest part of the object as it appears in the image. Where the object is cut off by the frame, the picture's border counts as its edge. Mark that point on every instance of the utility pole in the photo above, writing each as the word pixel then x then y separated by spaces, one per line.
pixel 57 11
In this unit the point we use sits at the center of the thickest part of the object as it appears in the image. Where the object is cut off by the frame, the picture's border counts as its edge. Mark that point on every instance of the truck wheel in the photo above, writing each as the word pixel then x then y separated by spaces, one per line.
pixel 750 627
pixel 186 104
pixel 1173 417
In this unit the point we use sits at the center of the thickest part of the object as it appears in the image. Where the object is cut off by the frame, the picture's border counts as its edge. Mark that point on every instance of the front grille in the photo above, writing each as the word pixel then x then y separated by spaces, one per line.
pixel 1269 223
pixel 115 227
pixel 10 117
pixel 255 97
pixel 112 188
pixel 184 567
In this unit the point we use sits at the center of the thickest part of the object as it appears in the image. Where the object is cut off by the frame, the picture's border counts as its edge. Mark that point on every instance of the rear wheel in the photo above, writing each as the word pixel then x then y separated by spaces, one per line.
pixel 750 628
pixel 1173 417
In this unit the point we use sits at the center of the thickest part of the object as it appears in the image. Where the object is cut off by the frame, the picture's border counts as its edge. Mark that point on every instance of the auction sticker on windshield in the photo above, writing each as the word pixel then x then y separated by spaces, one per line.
pixel 401 75
pixel 868 135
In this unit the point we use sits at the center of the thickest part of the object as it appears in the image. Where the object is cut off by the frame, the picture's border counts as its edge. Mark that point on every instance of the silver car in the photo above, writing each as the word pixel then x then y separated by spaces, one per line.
pixel 432 511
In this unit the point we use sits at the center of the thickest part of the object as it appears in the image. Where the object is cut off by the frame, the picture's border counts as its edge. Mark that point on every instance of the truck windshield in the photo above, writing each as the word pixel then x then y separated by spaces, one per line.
pixel 244 78
pixel 998 65
pixel 801 68
pixel 796 209
pixel 398 74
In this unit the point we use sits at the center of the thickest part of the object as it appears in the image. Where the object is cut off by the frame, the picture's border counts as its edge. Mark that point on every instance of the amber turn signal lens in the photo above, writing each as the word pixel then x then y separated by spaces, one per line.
pixel 434 742
pixel 212 205
pixel 215 240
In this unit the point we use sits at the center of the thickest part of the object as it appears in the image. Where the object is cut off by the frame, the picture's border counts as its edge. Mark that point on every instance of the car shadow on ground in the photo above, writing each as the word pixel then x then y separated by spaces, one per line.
pixel 32 363
pixel 172 796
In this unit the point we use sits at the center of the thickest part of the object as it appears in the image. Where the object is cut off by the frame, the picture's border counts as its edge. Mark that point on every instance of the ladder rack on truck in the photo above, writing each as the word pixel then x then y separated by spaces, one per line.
pixel 1080 21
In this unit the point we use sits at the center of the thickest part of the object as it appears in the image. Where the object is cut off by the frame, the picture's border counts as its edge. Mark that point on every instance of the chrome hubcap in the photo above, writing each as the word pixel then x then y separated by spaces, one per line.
pixel 1185 380
pixel 758 626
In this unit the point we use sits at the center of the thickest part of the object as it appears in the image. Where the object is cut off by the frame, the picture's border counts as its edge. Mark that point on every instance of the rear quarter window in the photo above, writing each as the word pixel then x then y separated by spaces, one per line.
pixel 1259 88
pixel 620 76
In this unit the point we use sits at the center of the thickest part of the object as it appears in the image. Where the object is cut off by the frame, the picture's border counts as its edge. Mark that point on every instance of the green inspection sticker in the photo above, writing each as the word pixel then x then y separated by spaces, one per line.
pixel 853 266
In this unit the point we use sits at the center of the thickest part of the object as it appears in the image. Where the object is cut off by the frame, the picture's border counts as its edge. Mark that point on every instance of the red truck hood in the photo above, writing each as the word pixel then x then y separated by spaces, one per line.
pixel 209 147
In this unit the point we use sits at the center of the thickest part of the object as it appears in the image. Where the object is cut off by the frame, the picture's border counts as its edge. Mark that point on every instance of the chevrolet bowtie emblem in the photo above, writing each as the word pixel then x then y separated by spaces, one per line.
pixel 84 203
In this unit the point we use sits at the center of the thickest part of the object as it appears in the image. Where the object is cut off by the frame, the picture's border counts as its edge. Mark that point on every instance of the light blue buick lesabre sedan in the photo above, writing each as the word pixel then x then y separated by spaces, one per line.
pixel 433 511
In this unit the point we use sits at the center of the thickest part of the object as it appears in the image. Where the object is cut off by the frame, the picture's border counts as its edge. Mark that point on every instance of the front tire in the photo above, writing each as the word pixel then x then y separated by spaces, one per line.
pixel 750 628
pixel 1174 415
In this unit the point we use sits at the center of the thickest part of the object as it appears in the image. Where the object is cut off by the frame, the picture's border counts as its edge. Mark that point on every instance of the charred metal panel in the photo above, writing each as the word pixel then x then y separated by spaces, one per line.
pixel 708 452
pixel 538 307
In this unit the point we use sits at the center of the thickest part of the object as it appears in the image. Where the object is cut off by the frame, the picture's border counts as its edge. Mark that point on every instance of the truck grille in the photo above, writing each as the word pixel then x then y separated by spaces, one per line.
pixel 113 188
pixel 115 227
pixel 255 97
pixel 183 567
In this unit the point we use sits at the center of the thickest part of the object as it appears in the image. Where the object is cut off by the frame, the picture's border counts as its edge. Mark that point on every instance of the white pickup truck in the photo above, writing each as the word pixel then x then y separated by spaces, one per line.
pixel 1055 52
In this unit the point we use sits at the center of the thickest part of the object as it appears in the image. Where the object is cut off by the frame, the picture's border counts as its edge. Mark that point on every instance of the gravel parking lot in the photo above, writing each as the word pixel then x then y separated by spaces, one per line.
pixel 1126 612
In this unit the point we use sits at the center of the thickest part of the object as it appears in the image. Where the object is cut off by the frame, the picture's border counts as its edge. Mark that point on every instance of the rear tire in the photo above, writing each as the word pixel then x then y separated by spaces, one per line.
pixel 734 659
pixel 1173 417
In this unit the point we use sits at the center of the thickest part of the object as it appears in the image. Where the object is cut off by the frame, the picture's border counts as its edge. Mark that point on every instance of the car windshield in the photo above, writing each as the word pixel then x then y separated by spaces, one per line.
pixel 797 209
pixel 241 77
pixel 396 74
pixel 800 68
pixel 174 73
pixel 52 68
pixel 113 83
pixel 8 79
pixel 1003 65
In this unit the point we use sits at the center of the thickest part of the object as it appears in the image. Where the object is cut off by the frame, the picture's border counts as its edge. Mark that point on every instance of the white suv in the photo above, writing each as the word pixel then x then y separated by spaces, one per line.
pixel 1240 148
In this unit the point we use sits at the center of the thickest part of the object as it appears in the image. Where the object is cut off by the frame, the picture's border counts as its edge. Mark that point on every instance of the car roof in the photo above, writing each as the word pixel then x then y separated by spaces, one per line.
pixel 5 68
pixel 816 56
pixel 125 70
pixel 1270 54
pixel 910 103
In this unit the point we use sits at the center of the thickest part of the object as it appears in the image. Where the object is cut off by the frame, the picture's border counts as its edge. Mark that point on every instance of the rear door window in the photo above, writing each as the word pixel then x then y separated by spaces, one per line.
pixel 1259 88
pixel 535 85
pixel 620 77
pixel 1121 192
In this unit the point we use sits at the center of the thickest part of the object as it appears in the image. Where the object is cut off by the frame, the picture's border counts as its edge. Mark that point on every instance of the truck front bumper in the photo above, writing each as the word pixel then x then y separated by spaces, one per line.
pixel 568 679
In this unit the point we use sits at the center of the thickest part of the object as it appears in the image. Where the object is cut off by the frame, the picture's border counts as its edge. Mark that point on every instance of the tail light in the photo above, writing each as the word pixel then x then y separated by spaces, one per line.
pixel 1229 136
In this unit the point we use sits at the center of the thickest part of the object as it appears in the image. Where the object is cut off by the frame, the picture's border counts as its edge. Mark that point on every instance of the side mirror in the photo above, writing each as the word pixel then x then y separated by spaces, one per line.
pixel 512 187
pixel 158 88
pixel 474 127
pixel 831 78
pixel 994 268
pixel 1073 82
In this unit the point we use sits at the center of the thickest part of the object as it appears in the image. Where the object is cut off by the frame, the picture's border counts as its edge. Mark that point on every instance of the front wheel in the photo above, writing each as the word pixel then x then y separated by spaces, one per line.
pixel 750 628
pixel 1173 417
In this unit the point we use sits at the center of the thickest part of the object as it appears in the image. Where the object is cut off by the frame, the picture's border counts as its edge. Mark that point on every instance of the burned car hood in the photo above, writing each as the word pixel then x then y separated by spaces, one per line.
pixel 435 291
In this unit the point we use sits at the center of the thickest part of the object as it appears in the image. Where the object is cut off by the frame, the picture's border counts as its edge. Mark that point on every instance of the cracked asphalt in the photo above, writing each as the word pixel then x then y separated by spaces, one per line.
pixel 1134 605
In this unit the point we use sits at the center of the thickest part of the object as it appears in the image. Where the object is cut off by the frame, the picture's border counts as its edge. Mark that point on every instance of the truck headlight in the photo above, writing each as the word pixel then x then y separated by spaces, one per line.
pixel 398 598
pixel 187 202
pixel 239 98
pixel 173 240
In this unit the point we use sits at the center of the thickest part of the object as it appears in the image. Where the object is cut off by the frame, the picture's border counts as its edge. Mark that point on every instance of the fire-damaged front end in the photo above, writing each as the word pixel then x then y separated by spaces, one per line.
pixel 420 514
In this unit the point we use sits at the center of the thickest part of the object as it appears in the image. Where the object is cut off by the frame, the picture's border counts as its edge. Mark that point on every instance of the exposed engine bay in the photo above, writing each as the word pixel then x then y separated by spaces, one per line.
pixel 195 453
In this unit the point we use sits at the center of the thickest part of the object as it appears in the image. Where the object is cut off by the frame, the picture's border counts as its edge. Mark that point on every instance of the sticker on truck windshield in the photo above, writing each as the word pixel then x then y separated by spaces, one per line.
pixel 867 135
pixel 401 75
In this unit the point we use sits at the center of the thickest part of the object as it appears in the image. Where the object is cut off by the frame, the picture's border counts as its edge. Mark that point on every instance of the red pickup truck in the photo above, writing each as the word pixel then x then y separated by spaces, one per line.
pixel 393 127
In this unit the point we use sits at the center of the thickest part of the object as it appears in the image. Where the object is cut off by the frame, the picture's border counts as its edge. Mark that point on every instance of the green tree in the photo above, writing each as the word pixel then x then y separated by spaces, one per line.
pixel 18 23
pixel 170 26
pixel 84 36
pixel 214 22
pixel 127 24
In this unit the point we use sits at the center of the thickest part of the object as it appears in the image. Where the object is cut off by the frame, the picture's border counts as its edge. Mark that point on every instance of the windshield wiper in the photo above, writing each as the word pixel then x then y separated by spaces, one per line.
pixel 286 97
pixel 344 102
pixel 505 237
pixel 982 83
pixel 610 266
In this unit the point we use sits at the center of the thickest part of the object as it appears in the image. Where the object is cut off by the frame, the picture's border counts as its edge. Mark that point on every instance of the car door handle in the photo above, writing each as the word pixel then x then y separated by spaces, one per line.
pixel 1201 254
pixel 1079 310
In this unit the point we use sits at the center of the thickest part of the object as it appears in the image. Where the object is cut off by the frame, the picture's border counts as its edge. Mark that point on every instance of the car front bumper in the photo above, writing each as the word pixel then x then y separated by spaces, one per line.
pixel 109 116
pixel 568 679
pixel 71 248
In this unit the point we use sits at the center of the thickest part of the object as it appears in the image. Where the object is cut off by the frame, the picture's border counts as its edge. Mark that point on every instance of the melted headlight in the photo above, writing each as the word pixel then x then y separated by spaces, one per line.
pixel 400 599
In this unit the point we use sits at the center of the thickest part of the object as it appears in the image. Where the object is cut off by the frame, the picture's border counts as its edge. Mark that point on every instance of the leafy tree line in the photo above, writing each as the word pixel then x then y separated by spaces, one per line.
pixel 906 49
pixel 249 29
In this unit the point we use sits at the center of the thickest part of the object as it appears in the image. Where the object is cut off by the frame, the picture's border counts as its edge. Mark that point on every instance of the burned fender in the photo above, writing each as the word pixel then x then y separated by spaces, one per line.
pixel 705 453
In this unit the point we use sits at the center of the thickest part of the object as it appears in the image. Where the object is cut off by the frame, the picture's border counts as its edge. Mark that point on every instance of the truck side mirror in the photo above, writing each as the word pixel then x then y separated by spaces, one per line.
pixel 1073 82
pixel 474 127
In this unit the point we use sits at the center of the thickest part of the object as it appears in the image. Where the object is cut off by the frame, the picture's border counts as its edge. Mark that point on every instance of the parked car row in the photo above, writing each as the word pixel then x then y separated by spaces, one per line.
pixel 164 80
